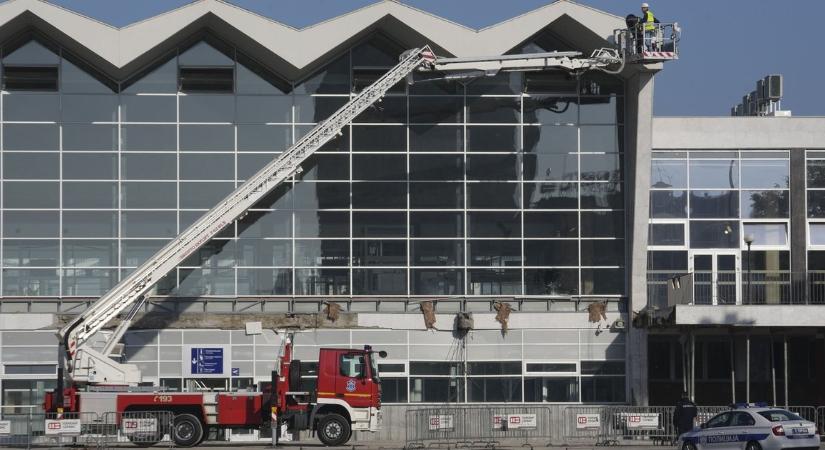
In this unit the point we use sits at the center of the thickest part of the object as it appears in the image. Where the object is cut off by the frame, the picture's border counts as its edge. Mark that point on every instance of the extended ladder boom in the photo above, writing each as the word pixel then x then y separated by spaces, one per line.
pixel 89 365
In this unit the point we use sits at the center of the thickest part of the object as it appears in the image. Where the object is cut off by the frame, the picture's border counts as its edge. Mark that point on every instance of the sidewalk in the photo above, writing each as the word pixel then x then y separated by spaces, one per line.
pixel 381 445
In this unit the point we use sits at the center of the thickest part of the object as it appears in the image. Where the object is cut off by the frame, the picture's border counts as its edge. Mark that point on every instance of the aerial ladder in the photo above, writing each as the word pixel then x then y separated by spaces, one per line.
pixel 85 365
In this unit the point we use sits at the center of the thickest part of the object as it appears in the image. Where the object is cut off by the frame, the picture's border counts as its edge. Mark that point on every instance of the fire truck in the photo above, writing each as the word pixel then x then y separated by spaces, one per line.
pixel 348 392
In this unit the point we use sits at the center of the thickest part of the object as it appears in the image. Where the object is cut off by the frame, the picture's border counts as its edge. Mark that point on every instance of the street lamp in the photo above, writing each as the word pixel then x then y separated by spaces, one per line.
pixel 749 238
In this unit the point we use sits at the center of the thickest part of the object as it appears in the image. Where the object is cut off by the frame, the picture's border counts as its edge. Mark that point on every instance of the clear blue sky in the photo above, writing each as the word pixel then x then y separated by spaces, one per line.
pixel 726 46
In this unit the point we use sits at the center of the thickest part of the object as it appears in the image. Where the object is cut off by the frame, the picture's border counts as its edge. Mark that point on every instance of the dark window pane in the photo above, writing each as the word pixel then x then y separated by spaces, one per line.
pixel 816 174
pixel 765 174
pixel 437 253
pixel 548 81
pixel 89 108
pixel 495 253
pixel 363 77
pixel 505 83
pixel 379 167
pixel 31 166
pixel 677 260
pixel 259 224
pixel 264 281
pixel 437 282
pixel 31 194
pixel 375 252
pixel 551 139
pixel 149 137
pixel 250 163
pixel 492 138
pixel 551 253
pixel 601 110
pixel 426 195
pixel 388 110
pixel 321 224
pixel 207 108
pixel 332 79
pixel 714 204
pixel 28 136
pixel 436 167
pixel 492 167
pixel 494 282
pixel 203 195
pixel 552 224
pixel 494 195
pixel 601 195
pixel 280 197
pixel 667 234
pixel 88 282
pixel 89 137
pixel 600 139
pixel 207 137
pixel 31 282
pixel 90 166
pixel 436 390
pixel 136 252
pixel 322 282
pixel 319 252
pixel 321 195
pixel 551 110
pixel 606 167
pixel 551 367
pixel 31 107
pixel 31 253
pixel 393 390
pixel 436 109
pixel 602 252
pixel 379 224
pixel 31 224
pixel 494 390
pixel 89 253
pixel 668 204
pixel 493 109
pixel 315 109
pixel 552 390
pixel 261 138
pixel 599 83
pixel 602 223
pixel 668 173
pixel 603 389
pixel 146 166
pixel 436 224
pixel 264 252
pixel 207 166
pixel 214 253
pixel 207 79
pixel 197 282
pixel 714 174
pixel 89 224
pixel 603 281
pixel 89 195
pixel 148 195
pixel 22 78
pixel 379 195
pixel 385 138
pixel 765 204
pixel 551 195
pixel 816 204
pixel 148 108
pixel 551 281
pixel 552 167
pixel 322 166
pixel 379 282
pixel 432 138
pixel 714 234
pixel 149 224
pixel 264 108
pixel 494 224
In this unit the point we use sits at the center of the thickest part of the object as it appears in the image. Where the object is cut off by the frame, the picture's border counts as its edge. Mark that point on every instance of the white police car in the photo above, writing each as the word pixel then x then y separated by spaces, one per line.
pixel 753 428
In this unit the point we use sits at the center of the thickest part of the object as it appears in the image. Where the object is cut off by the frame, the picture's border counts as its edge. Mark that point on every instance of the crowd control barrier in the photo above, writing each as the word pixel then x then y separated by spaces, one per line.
pixel 489 427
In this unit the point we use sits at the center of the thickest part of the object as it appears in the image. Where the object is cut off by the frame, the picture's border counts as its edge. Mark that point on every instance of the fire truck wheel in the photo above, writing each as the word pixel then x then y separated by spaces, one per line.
pixel 187 430
pixel 333 429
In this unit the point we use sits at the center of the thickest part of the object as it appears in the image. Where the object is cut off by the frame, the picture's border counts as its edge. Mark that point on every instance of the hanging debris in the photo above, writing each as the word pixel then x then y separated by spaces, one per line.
pixel 429 314
pixel 332 310
pixel 464 323
pixel 503 311
pixel 596 312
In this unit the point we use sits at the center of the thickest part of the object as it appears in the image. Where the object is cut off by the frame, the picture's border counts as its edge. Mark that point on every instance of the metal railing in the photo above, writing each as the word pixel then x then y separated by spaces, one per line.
pixel 478 427
pixel 729 287
pixel 657 44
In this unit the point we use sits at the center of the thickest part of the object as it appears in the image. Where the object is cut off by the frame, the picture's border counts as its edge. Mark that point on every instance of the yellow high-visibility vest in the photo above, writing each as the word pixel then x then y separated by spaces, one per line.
pixel 649 21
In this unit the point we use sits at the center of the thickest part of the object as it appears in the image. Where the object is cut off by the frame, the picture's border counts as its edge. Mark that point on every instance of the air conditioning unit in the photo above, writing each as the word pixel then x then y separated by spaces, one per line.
pixel 773 84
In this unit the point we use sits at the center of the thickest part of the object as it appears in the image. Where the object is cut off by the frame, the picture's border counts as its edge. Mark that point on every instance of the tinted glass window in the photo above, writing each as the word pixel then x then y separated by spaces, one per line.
pixel 203 79
pixel 669 173
pixel 23 78
pixel 714 174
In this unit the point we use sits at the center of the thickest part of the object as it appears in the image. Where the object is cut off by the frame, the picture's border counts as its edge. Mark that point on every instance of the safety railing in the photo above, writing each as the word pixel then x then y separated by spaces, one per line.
pixel 474 427
pixel 649 42
pixel 29 427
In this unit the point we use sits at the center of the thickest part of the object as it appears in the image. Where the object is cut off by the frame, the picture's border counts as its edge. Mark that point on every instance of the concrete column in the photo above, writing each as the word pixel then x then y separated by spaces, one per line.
pixel 638 139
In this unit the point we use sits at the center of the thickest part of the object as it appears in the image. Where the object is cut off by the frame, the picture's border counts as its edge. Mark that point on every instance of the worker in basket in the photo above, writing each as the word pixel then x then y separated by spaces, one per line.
pixel 648 23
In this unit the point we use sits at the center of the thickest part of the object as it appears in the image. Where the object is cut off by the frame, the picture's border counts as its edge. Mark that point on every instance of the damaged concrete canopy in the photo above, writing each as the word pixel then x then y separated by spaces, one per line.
pixel 503 315
pixel 332 310
pixel 428 310
pixel 596 312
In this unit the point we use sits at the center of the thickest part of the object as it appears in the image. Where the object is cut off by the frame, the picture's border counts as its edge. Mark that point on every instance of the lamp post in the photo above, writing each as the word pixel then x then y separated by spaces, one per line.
pixel 749 238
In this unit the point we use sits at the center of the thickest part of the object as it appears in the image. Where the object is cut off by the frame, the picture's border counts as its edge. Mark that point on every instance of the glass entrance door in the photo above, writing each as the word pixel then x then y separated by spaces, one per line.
pixel 715 277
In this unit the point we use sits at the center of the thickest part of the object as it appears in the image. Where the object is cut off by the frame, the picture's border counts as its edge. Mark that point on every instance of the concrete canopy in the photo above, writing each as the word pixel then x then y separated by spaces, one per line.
pixel 293 53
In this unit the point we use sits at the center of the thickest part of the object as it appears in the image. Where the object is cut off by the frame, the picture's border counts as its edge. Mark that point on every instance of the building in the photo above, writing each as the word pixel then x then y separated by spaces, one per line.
pixel 530 189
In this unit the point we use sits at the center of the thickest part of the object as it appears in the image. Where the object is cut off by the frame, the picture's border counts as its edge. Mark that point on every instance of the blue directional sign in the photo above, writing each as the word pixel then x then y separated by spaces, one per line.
pixel 207 361
pixel 236 371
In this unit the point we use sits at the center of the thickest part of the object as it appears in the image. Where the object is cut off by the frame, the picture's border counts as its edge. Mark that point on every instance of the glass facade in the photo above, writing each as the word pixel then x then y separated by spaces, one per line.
pixel 507 185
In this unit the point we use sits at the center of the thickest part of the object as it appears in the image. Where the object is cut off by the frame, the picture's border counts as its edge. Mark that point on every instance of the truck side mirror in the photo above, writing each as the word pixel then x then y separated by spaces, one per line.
pixel 382 353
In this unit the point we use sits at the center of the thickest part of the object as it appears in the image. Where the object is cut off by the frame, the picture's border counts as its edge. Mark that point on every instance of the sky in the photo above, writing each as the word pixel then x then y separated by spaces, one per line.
pixel 726 44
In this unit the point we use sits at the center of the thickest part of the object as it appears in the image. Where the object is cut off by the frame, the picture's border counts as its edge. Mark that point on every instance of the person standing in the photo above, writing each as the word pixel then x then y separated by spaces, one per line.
pixel 648 23
pixel 684 414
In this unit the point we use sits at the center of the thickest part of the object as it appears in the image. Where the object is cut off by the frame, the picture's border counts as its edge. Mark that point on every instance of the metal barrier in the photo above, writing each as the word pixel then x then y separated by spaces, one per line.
pixel 651 423
pixel 584 424
pixel 820 419
pixel 489 427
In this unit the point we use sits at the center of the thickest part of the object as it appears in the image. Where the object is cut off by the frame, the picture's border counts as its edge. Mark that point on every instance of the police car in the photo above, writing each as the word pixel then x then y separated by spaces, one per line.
pixel 753 427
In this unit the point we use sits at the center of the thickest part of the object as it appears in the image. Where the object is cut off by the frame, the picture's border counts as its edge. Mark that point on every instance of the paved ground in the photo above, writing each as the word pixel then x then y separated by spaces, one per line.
pixel 400 445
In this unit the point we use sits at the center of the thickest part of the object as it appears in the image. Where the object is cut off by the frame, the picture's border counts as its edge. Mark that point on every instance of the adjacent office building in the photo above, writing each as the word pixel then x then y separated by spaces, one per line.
pixel 533 189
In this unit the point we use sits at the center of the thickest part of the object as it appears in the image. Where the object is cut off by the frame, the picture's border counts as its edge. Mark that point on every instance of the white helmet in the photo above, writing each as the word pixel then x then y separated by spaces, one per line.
pixel 645 5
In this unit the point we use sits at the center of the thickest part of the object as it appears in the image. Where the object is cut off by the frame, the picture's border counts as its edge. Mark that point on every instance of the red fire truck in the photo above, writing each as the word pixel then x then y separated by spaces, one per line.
pixel 347 397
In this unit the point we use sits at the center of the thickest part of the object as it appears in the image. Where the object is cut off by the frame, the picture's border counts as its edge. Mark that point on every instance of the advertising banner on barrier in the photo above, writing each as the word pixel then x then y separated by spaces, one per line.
pixel 588 421
pixel 136 426
pixel 642 421
pixel 62 426
pixel 514 421
pixel 5 427
pixel 441 422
